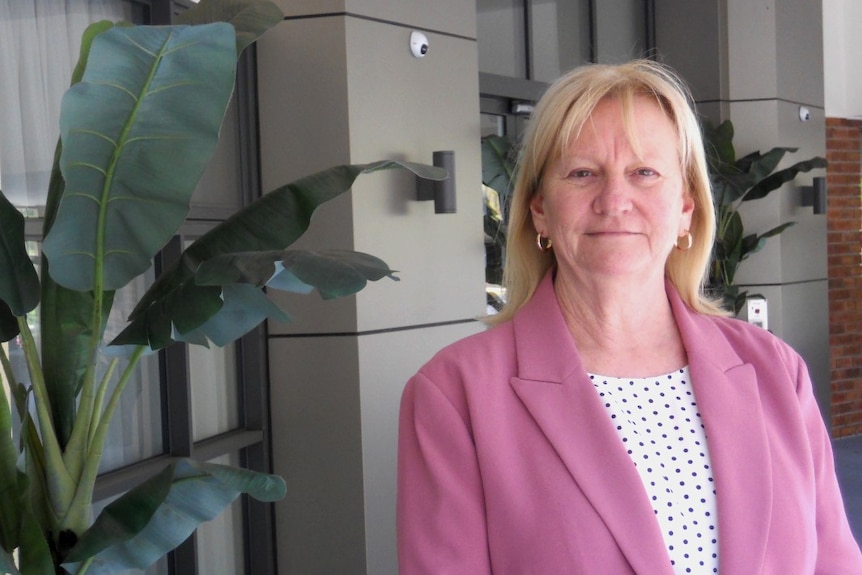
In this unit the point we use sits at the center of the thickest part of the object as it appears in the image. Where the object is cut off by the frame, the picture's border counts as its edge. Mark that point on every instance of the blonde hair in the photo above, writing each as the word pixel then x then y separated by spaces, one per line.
pixel 558 118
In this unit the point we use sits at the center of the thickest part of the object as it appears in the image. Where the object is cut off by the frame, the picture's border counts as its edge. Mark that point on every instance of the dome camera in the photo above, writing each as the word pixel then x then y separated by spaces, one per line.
pixel 418 44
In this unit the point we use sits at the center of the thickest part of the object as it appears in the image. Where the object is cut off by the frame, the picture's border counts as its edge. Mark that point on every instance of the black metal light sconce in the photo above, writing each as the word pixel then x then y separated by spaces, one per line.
pixel 815 195
pixel 442 191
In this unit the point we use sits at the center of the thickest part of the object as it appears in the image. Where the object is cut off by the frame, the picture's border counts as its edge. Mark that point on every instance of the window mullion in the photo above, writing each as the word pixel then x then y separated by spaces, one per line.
pixel 528 39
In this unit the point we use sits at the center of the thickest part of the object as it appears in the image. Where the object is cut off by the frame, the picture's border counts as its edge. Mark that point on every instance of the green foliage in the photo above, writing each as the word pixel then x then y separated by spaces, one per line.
pixel 498 174
pixel 138 126
pixel 108 159
pixel 19 284
pixel 162 512
pixel 734 181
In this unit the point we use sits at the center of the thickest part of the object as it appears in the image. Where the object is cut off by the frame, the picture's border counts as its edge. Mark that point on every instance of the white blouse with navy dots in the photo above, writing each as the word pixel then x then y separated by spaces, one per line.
pixel 659 423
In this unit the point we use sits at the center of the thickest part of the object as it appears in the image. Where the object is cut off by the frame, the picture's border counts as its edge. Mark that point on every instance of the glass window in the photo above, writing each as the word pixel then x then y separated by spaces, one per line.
pixel 538 40
pixel 135 431
pixel 39 46
pixel 219 187
pixel 220 546
pixel 214 390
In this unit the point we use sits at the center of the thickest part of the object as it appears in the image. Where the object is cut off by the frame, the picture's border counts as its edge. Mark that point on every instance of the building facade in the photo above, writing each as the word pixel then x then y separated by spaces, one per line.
pixel 336 82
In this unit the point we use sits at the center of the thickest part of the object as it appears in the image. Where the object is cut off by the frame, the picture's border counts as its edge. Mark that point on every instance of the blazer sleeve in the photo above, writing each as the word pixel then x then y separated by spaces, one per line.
pixel 441 511
pixel 837 550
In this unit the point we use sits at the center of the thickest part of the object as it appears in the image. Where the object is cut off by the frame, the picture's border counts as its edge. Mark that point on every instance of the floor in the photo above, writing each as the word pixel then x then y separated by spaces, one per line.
pixel 848 463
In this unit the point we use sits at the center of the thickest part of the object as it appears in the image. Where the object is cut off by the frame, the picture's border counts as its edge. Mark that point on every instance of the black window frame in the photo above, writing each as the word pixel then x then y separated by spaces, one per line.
pixel 252 438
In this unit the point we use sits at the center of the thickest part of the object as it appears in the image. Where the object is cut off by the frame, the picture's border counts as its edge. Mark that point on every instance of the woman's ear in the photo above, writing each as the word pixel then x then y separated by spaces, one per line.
pixel 537 209
pixel 687 212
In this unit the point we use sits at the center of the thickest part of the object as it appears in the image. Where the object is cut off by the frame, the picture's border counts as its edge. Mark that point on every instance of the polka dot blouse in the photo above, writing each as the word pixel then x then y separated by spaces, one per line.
pixel 658 422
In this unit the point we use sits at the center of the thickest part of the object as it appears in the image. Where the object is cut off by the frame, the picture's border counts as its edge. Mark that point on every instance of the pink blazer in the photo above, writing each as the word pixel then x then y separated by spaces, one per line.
pixel 508 462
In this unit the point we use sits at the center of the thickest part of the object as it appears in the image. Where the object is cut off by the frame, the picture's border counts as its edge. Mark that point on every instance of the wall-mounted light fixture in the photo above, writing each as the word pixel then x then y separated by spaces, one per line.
pixel 442 191
pixel 815 195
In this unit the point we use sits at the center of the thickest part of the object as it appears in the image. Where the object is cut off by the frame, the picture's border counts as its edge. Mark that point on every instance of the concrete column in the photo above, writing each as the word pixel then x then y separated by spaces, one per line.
pixel 756 62
pixel 338 84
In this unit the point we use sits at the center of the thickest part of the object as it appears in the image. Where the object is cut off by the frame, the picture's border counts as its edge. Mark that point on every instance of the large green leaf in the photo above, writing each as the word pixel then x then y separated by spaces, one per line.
pixel 250 18
pixel 131 169
pixel 35 555
pixel 38 477
pixel 153 518
pixel 65 315
pixel 8 323
pixel 245 306
pixel 779 178
pixel 10 491
pixel 273 222
pixel 759 165
pixel 335 273
pixel 19 284
pixel 66 318
pixel 718 142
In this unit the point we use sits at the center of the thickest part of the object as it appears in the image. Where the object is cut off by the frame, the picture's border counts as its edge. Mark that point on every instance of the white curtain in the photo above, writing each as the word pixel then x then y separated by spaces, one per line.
pixel 39 46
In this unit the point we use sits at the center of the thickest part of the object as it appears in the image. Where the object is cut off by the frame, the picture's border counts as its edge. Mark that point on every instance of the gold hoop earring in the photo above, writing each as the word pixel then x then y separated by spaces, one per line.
pixel 544 244
pixel 688 242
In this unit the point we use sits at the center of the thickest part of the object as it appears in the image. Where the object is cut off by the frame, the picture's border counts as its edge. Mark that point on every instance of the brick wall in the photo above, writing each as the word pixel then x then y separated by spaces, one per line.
pixel 844 222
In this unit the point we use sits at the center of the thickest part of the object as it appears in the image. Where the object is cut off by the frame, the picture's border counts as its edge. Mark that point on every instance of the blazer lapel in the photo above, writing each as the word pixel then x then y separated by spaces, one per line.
pixel 554 387
pixel 729 402
pixel 557 392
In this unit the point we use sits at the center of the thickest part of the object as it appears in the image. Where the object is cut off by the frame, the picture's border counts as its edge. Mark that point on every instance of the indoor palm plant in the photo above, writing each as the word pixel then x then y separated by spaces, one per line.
pixel 734 181
pixel 138 126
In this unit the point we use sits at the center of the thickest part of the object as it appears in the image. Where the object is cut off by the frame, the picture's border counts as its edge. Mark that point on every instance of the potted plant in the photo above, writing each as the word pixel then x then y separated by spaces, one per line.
pixel 734 181
pixel 138 126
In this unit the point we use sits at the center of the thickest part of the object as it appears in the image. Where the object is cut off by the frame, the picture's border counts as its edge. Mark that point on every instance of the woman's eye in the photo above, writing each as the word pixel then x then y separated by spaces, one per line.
pixel 580 174
pixel 646 172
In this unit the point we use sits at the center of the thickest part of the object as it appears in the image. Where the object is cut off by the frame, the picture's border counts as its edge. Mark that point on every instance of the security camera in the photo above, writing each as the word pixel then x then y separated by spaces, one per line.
pixel 418 44
pixel 804 114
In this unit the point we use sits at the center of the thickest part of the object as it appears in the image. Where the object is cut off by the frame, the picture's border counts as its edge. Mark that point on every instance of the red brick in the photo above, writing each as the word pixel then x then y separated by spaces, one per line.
pixel 844 272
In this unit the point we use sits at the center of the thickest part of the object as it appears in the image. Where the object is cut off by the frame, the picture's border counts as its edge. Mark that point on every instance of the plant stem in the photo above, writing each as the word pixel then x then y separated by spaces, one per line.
pixel 60 484
pixel 84 492
pixel 78 446
pixel 7 370
pixel 11 514
pixel 100 398
pixel 85 566
pixel 37 380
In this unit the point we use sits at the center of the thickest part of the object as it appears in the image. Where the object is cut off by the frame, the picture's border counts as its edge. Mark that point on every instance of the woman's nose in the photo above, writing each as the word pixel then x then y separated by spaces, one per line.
pixel 613 197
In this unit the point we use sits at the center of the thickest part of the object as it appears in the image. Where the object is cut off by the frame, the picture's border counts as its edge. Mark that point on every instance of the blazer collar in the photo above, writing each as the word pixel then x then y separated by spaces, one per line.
pixel 728 397
pixel 556 390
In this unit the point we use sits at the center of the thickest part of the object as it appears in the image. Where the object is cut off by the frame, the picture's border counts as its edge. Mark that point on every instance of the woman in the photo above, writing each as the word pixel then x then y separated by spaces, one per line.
pixel 614 420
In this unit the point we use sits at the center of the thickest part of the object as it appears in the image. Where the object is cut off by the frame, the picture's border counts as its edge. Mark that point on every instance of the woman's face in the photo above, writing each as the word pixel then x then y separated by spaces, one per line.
pixel 609 210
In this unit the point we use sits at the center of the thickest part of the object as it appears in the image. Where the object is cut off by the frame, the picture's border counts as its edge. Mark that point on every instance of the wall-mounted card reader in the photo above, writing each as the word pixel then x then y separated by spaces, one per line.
pixel 756 312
